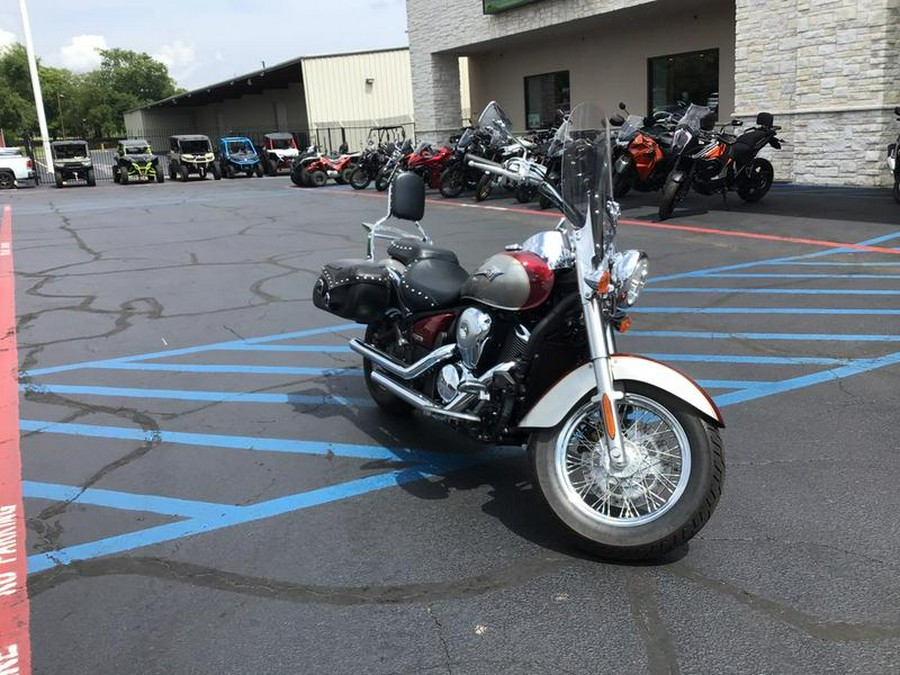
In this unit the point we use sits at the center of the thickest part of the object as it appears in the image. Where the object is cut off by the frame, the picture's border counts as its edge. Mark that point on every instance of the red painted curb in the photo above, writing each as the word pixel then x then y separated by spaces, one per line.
pixel 823 243
pixel 15 646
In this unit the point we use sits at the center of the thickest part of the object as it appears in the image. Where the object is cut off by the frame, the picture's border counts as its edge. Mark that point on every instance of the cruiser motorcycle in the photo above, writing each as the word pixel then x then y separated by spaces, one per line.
pixel 625 450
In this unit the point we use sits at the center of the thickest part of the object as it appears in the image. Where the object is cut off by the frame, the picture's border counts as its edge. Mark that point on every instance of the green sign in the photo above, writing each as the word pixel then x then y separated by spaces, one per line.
pixel 497 6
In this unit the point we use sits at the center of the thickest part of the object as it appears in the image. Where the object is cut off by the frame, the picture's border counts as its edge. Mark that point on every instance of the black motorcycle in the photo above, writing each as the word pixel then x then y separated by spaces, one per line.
pixel 712 162
pixel 458 176
pixel 372 158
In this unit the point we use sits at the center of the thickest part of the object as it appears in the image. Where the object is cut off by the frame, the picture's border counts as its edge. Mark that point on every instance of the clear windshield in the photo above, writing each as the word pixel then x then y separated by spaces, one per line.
pixel 70 151
pixel 494 118
pixel 239 148
pixel 632 125
pixel 692 117
pixel 466 139
pixel 195 147
pixel 586 171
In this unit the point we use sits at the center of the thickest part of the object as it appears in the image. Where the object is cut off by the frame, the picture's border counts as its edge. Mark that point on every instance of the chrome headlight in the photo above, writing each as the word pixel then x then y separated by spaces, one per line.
pixel 630 269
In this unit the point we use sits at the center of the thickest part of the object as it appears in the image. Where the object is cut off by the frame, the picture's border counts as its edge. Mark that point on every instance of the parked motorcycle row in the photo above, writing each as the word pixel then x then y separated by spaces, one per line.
pixel 626 451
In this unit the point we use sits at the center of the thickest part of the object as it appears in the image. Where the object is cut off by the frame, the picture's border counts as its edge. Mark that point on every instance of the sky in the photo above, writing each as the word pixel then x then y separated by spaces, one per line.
pixel 204 41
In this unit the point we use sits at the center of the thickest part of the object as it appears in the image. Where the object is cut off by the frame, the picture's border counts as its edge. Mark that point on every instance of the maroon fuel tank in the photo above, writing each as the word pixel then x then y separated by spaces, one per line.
pixel 513 281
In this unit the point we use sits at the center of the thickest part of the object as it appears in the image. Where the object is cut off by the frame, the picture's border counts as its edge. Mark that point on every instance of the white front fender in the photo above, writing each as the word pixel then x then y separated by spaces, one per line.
pixel 559 400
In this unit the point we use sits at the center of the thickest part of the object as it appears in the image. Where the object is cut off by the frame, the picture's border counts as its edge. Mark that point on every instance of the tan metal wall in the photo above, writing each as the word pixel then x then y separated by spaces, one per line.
pixel 358 89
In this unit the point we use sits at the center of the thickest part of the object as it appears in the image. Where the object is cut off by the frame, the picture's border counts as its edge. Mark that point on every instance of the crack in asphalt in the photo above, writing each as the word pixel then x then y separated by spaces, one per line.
pixel 662 658
pixel 439 629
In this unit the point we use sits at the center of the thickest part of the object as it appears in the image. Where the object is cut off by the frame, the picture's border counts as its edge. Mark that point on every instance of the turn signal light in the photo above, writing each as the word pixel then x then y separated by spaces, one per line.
pixel 624 324
pixel 603 283
pixel 608 419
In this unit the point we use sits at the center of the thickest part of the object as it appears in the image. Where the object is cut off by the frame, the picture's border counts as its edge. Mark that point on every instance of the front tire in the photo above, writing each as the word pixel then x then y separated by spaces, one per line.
pixel 670 196
pixel 757 184
pixel 483 189
pixel 453 182
pixel 91 180
pixel 318 178
pixel 359 179
pixel 664 495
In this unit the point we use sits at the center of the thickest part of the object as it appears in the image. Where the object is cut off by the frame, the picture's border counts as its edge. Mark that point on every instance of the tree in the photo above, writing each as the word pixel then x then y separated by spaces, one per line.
pixel 17 101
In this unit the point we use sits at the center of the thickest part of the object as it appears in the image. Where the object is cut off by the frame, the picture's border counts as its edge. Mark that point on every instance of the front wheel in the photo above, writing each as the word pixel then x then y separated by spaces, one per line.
pixel 671 195
pixel 382 181
pixel 525 193
pixel 217 175
pixel 91 180
pixel 755 186
pixel 259 170
pixel 622 182
pixel 318 178
pixel 453 182
pixel 483 189
pixel 663 495
pixel 359 179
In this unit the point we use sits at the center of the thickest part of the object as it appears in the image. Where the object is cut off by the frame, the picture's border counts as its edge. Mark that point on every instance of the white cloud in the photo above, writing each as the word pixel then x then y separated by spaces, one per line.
pixel 81 53
pixel 180 58
pixel 7 39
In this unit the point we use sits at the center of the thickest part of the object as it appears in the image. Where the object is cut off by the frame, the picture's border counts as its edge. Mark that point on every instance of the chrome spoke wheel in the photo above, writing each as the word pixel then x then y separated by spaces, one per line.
pixel 655 474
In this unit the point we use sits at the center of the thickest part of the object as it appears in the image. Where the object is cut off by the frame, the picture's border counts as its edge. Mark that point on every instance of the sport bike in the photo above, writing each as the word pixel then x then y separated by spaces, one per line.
pixel 625 450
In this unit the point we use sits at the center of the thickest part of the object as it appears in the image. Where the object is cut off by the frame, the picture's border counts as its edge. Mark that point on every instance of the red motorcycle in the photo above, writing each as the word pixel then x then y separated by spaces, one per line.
pixel 429 163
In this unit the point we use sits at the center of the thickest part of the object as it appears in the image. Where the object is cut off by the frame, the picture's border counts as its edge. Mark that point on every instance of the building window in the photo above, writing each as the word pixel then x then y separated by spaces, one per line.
pixel 691 77
pixel 544 95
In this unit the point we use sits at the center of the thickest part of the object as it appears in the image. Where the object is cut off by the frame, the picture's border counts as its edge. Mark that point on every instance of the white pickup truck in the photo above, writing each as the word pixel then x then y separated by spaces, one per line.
pixel 16 170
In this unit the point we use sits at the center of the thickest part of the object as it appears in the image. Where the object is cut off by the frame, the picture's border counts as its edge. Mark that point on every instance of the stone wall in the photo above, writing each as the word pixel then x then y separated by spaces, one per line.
pixel 829 70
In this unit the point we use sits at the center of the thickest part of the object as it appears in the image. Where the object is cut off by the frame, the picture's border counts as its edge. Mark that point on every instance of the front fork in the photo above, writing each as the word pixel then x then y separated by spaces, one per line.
pixel 601 343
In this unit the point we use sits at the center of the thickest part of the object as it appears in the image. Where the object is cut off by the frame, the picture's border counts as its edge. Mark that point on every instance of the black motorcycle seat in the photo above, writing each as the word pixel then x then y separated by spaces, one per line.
pixel 432 283
pixel 408 250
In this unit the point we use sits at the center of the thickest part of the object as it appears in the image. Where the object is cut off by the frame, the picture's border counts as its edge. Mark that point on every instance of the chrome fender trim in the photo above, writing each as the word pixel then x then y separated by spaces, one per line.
pixel 559 400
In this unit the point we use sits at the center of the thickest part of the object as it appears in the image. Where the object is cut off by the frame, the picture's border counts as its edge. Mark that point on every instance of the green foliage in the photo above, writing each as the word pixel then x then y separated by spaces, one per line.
pixel 90 105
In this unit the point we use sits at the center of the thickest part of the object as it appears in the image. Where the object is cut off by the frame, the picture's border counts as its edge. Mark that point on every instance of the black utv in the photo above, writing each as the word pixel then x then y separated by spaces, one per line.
pixel 192 154
pixel 135 162
pixel 72 161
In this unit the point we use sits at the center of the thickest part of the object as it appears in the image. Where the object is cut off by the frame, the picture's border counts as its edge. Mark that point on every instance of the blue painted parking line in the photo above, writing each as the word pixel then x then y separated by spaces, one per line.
pixel 767 337
pixel 850 311
pixel 252 443
pixel 125 501
pixel 196 350
pixel 775 291
pixel 224 368
pixel 245 514
pixel 195 395
pixel 200 517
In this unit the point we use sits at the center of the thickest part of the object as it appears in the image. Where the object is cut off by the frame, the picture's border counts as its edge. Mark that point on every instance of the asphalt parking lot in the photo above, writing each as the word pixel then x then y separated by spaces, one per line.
pixel 209 490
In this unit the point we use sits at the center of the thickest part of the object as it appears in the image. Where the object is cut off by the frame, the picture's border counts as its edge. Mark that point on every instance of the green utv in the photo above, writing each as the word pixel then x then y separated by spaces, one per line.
pixel 192 154
pixel 135 162
pixel 72 161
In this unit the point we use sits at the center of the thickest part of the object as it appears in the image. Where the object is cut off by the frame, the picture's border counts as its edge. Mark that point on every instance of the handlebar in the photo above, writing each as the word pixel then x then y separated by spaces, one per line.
pixel 495 168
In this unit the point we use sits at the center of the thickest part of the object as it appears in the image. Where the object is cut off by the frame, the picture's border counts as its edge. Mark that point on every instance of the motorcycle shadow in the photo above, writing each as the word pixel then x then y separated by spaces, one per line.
pixel 505 477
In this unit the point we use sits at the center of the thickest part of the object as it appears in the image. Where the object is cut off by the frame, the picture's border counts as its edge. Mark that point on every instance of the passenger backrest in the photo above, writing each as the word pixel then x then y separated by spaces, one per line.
pixel 407 197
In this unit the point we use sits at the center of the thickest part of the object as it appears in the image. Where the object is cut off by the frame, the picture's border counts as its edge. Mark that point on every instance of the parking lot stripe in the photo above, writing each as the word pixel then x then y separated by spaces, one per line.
pixel 818 337
pixel 195 350
pixel 14 608
pixel 774 291
pixel 195 395
pixel 730 384
pixel 855 367
pixel 760 275
pixel 223 368
pixel 758 360
pixel 251 443
pixel 862 311
pixel 126 501
pixel 315 349
pixel 268 509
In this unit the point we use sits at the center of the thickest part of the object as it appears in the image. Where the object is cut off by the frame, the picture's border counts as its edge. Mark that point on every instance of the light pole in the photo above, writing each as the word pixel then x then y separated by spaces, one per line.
pixel 62 120
pixel 36 86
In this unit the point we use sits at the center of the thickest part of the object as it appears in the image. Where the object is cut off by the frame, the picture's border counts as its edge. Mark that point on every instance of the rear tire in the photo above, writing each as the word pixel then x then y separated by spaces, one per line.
pixel 621 517
pixel 91 181
pixel 217 175
pixel 271 168
pixel 7 180
pixel 228 171
pixel 259 170
pixel 115 175
pixel 183 172
pixel 754 187
pixel 359 179
pixel 382 397
pixel 453 182
pixel 160 176
pixel 124 178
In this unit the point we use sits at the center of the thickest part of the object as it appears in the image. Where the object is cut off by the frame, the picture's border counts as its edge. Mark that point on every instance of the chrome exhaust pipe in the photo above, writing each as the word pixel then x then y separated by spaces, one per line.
pixel 417 401
pixel 404 372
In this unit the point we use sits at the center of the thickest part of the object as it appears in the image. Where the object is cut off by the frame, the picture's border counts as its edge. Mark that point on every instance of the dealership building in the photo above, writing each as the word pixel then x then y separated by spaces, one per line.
pixel 829 70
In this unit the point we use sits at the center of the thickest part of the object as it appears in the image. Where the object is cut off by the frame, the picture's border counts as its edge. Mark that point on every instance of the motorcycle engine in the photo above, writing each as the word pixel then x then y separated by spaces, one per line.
pixel 473 330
